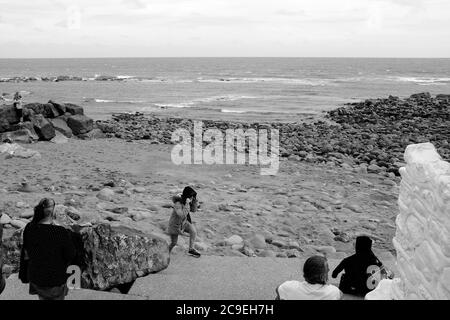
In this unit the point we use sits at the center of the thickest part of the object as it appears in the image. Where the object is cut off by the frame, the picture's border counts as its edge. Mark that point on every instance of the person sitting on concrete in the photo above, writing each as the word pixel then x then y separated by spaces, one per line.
pixel 180 220
pixel 46 253
pixel 357 268
pixel 315 287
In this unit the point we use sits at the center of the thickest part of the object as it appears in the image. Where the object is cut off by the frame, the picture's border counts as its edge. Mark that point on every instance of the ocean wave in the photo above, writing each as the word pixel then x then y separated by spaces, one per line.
pixel 232 111
pixel 297 81
pixel 113 101
pixel 424 80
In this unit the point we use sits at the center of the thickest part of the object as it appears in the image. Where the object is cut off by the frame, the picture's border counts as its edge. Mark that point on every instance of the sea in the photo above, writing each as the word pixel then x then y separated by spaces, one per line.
pixel 224 85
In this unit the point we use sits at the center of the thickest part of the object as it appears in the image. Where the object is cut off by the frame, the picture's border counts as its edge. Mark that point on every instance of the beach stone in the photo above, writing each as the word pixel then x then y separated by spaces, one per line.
pixel 19 136
pixel 80 124
pixel 29 213
pixel 279 243
pixel 201 246
pixel 4 219
pixel 373 168
pixel 223 207
pixel 27 188
pixel 258 241
pixel 267 254
pixel 353 207
pixel 106 194
pixel 237 247
pixel 234 240
pixel 21 205
pixel 73 109
pixel 139 190
pixel 18 224
pixel 73 213
pixel 43 127
pixel 8 112
pixel 139 214
pixel 61 126
pixel 50 111
pixel 59 138
pixel 59 106
pixel 327 250
pixel 293 245
pixel 93 134
pixel 292 253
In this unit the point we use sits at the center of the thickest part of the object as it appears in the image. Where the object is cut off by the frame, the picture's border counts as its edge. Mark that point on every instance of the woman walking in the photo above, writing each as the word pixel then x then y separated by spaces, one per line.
pixel 47 252
pixel 180 219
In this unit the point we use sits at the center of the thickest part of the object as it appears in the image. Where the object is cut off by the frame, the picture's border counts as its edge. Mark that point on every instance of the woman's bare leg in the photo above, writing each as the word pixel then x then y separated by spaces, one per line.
pixel 173 241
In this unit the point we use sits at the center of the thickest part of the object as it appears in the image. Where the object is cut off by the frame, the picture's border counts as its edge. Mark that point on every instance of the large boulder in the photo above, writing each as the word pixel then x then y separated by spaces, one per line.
pixel 80 124
pixel 37 108
pixel 108 255
pixel 61 125
pixel 61 107
pixel 19 136
pixel 4 125
pixel 74 109
pixel 43 127
pixel 115 255
pixel 50 111
pixel 9 113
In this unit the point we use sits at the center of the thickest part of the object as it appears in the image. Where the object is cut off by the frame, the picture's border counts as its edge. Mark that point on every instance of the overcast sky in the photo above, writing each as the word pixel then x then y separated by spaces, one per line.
pixel 171 28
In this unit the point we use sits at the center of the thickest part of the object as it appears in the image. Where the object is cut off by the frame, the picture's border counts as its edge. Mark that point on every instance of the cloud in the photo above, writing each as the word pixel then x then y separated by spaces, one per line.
pixel 134 4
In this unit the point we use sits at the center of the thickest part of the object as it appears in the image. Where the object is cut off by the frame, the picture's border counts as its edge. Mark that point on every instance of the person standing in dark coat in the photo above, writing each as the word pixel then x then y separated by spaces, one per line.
pixel 48 250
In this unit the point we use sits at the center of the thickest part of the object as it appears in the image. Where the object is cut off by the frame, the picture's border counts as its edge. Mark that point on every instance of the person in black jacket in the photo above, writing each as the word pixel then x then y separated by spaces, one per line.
pixel 2 279
pixel 47 251
pixel 358 268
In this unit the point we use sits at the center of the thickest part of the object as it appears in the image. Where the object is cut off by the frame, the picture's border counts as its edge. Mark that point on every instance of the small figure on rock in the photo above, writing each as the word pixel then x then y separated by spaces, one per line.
pixel 315 287
pixel 46 253
pixel 180 221
pixel 360 269
pixel 18 105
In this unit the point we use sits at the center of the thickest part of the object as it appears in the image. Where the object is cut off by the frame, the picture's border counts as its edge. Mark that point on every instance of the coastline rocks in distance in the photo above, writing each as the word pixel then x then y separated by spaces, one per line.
pixel 370 135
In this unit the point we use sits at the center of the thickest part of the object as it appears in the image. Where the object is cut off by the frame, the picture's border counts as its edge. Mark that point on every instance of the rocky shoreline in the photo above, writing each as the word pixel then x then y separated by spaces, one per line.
pixel 369 136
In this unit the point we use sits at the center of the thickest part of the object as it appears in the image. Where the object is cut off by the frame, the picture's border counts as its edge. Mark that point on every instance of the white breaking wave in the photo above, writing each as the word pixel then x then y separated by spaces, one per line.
pixel 232 111
pixel 424 80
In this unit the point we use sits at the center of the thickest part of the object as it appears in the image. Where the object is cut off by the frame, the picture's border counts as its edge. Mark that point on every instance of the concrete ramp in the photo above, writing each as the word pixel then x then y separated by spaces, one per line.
pixel 16 290
pixel 222 278
pixel 205 278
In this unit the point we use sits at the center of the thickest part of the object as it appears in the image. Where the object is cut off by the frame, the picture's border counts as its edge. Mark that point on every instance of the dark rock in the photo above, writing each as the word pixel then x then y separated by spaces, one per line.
pixel 19 136
pixel 80 124
pixel 61 125
pixel 9 113
pixel 50 111
pixel 59 106
pixel 43 127
pixel 73 109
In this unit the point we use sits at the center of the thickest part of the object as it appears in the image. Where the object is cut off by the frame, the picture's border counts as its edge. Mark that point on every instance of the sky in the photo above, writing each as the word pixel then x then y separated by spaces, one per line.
pixel 223 28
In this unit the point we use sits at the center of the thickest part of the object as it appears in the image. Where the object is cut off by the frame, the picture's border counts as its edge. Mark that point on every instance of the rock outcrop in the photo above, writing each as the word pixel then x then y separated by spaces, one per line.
pixel 43 119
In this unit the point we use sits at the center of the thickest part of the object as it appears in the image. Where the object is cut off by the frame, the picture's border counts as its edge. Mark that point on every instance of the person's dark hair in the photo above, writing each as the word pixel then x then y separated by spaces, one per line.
pixel 363 246
pixel 188 192
pixel 39 210
pixel 315 270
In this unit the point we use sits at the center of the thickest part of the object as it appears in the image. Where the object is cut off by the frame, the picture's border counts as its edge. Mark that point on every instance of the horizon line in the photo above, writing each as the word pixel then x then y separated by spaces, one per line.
pixel 219 57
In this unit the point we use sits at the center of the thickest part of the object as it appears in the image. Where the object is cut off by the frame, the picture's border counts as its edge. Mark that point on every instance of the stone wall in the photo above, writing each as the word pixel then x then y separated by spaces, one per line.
pixel 422 239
